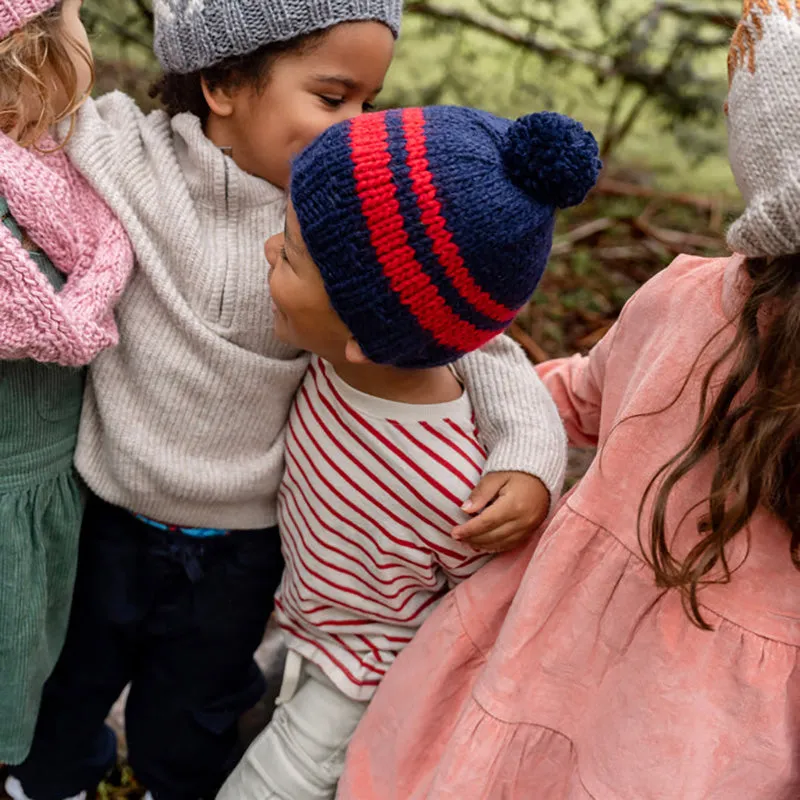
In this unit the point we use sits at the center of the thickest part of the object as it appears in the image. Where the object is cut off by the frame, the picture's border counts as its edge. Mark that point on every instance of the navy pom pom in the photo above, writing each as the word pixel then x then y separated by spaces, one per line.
pixel 552 157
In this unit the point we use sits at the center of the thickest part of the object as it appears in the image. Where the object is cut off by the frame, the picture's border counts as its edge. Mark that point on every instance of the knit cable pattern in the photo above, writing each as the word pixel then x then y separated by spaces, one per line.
pixel 80 235
pixel 763 127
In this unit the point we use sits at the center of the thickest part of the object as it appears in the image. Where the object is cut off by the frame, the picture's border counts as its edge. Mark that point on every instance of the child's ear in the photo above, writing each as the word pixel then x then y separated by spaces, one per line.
pixel 353 352
pixel 221 100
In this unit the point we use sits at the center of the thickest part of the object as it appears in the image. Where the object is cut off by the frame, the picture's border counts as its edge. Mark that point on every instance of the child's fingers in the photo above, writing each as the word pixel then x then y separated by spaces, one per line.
pixel 490 519
pixel 485 492
pixel 507 537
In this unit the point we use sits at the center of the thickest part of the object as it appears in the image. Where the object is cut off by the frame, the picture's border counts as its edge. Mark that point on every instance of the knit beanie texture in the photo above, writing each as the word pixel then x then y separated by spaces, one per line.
pixel 764 128
pixel 192 35
pixel 81 237
pixel 15 14
pixel 431 227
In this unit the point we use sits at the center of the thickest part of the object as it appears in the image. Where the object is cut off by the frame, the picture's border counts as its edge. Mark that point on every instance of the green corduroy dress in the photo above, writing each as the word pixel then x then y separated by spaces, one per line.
pixel 41 505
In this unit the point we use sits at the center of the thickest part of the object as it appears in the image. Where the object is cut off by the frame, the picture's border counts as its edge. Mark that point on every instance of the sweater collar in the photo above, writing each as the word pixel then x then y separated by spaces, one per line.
pixel 213 178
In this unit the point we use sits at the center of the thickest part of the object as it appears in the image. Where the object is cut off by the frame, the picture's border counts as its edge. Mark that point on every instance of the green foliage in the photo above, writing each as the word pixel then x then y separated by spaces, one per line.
pixel 121 30
pixel 648 76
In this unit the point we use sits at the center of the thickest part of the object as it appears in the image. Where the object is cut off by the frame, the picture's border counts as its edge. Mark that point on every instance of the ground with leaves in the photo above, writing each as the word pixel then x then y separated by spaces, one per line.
pixel 622 236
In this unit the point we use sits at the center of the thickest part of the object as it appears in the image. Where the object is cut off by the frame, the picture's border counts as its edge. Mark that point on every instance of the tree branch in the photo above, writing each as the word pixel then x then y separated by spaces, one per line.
pixel 508 16
pixel 120 30
pixel 601 64
pixel 710 15
pixel 145 12
pixel 604 66
pixel 626 56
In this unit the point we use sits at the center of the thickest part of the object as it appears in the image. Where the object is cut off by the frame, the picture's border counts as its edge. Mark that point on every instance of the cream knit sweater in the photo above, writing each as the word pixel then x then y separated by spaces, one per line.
pixel 183 422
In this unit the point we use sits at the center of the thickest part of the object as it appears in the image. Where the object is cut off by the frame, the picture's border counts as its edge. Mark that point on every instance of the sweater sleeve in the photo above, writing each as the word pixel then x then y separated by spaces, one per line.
pixel 107 148
pixel 517 419
pixel 576 385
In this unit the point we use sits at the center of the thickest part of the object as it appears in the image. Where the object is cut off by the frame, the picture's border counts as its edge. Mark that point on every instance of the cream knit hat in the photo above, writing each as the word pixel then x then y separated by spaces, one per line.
pixel 16 13
pixel 764 127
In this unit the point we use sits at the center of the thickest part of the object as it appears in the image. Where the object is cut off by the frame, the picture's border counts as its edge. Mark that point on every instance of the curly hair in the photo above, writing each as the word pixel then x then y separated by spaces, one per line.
pixel 37 66
pixel 184 93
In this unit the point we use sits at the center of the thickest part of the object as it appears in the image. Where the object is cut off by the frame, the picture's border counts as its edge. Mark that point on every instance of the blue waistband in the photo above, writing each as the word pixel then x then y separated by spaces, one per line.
pixel 197 533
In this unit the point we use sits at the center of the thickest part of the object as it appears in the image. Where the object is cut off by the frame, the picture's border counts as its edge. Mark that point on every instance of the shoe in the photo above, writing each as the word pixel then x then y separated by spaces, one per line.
pixel 120 783
pixel 15 791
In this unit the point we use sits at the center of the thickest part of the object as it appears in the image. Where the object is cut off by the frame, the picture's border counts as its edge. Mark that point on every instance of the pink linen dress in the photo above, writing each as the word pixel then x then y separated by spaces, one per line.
pixel 562 671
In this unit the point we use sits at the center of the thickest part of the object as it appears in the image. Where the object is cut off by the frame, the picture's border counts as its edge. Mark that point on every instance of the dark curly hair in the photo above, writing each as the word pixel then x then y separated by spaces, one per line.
pixel 182 93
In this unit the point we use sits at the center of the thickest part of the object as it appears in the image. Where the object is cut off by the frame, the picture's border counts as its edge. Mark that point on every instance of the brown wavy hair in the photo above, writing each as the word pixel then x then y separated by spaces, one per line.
pixel 752 430
pixel 36 64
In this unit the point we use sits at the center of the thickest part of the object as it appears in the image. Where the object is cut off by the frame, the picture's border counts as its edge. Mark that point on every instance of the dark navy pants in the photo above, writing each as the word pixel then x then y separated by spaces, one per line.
pixel 177 617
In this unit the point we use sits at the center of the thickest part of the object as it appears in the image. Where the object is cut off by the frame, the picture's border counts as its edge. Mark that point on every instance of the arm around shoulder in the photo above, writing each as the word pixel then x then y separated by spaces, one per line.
pixel 106 142
pixel 517 419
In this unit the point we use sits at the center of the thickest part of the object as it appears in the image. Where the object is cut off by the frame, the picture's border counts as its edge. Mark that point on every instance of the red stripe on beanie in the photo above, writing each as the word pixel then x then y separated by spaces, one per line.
pixel 369 143
pixel 445 249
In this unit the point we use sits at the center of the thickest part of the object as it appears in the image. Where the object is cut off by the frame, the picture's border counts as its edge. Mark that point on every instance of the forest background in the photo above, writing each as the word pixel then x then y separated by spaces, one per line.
pixel 647 76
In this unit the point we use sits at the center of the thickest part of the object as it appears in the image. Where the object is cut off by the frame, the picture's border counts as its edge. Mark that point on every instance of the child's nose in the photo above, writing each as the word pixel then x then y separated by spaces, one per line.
pixel 352 110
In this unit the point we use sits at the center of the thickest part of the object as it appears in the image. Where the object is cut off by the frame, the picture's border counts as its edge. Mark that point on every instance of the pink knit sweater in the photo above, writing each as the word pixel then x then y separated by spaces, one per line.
pixel 77 231
pixel 563 672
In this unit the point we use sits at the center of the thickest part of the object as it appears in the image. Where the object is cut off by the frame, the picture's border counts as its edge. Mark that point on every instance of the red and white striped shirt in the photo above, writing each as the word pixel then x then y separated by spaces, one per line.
pixel 371 491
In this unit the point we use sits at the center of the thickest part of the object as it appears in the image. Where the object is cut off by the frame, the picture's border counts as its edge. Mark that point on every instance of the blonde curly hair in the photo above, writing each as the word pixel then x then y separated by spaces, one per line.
pixel 37 66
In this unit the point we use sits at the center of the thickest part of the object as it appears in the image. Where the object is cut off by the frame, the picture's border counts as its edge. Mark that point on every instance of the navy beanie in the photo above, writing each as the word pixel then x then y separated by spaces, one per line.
pixel 431 227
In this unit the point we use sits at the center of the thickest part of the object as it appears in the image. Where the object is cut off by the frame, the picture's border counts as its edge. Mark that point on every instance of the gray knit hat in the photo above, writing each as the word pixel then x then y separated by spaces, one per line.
pixel 764 127
pixel 194 34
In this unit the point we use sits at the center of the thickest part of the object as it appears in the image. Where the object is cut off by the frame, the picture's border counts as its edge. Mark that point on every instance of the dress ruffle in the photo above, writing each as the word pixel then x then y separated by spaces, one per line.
pixel 539 706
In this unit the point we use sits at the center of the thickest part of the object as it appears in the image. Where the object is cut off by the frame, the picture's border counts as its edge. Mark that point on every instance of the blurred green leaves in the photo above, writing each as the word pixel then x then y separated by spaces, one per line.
pixel 648 76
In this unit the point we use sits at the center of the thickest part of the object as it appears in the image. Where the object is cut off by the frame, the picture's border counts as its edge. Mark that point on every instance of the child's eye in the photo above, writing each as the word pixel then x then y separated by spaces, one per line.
pixel 367 107
pixel 333 102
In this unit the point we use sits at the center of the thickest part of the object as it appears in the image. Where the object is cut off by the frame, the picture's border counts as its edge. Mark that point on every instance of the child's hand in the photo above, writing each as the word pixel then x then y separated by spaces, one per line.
pixel 509 507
